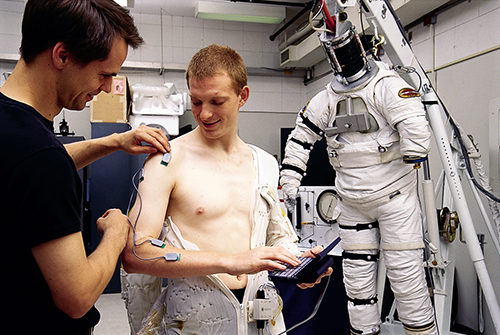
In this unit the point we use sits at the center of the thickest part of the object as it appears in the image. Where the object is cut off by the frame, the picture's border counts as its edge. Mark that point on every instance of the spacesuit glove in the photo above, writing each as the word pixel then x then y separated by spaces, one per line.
pixel 290 202
pixel 290 187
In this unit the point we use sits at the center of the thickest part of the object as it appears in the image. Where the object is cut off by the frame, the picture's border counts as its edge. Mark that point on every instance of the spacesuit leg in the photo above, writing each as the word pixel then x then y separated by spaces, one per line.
pixel 406 274
pixel 360 236
pixel 401 242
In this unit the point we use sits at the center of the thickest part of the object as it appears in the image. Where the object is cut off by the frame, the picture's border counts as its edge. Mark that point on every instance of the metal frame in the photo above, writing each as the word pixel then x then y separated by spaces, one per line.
pixel 381 17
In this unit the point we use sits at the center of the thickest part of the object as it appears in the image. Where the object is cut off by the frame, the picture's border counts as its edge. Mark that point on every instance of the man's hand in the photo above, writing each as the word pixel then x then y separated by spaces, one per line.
pixel 142 140
pixel 313 253
pixel 260 259
pixel 132 141
pixel 115 224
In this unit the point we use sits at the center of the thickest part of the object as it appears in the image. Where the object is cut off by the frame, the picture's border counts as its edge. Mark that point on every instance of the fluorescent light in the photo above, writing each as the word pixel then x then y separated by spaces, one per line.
pixel 230 11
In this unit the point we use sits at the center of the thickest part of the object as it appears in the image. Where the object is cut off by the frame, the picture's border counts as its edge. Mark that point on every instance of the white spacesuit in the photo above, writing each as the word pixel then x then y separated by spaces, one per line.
pixel 371 122
pixel 205 305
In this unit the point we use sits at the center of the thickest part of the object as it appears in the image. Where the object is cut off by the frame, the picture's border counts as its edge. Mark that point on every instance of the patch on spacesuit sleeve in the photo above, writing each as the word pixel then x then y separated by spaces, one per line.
pixel 408 92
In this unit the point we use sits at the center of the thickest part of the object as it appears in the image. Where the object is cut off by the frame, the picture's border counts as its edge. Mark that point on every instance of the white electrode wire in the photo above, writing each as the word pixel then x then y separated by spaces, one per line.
pixel 134 245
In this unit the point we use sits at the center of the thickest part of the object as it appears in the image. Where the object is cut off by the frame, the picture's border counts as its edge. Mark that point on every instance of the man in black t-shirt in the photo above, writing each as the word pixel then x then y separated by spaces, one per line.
pixel 69 52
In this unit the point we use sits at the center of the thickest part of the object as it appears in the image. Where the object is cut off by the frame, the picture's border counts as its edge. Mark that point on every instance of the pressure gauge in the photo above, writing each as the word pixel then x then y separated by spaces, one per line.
pixel 325 204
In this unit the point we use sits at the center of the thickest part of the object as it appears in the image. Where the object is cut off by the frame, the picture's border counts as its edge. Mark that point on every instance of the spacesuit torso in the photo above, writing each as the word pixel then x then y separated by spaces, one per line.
pixel 369 163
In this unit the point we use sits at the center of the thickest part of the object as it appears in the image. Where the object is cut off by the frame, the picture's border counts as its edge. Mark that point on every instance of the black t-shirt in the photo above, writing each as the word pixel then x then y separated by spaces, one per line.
pixel 39 202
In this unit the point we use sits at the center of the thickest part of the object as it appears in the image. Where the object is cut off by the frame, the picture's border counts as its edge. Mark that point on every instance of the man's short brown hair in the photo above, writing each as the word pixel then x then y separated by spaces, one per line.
pixel 216 59
pixel 87 28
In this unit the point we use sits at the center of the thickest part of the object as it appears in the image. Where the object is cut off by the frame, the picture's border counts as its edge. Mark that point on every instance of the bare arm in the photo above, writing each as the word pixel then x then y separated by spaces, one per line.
pixel 155 193
pixel 75 281
pixel 86 152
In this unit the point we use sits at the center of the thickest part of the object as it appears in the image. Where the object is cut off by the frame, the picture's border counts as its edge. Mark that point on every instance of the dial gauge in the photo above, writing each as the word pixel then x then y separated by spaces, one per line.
pixel 325 204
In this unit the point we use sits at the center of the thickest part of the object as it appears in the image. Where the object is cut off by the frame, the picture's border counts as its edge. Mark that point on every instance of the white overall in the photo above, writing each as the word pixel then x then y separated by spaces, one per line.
pixel 204 305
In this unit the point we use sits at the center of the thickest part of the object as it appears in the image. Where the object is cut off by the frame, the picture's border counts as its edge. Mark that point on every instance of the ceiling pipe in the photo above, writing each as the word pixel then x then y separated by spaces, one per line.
pixel 304 10
pixel 271 2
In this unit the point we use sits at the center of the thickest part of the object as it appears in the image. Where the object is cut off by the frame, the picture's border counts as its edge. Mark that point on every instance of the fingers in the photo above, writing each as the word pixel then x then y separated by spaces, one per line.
pixel 105 214
pixel 327 273
pixel 313 252
pixel 144 140
pixel 261 259
pixel 156 138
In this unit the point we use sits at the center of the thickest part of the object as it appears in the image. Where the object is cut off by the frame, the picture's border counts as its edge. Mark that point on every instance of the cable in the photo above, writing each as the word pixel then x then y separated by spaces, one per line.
pixel 465 153
pixel 330 21
pixel 313 17
pixel 408 70
pixel 315 310
pixel 155 242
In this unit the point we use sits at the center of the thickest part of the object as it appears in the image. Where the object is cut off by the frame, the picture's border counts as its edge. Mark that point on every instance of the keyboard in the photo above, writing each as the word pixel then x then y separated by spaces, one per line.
pixel 309 270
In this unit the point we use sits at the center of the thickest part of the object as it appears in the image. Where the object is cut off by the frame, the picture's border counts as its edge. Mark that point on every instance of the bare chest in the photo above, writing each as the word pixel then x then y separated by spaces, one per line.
pixel 211 203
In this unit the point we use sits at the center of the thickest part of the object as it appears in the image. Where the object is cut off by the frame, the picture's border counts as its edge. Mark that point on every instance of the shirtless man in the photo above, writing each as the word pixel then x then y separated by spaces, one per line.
pixel 210 205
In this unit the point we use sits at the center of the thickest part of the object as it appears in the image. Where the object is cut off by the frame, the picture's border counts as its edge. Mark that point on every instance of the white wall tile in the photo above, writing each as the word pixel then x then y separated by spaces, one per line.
pixel 191 22
pixel 10 23
pixel 467 39
pixel 234 39
pixel 134 55
pixel 177 21
pixel 192 37
pixel 253 27
pixel 423 52
pixel 255 84
pixel 10 44
pixel 252 59
pixel 420 33
pixel 168 55
pixel 291 102
pixel 12 6
pixel 150 53
pixel 445 47
pixel 151 34
pixel 213 36
pixel 271 60
pixel 165 19
pixel 254 102
pixel 271 101
pixel 213 24
pixel 489 29
pixel 156 19
pixel 252 42
pixel 177 33
pixel 233 25
pixel 487 6
pixel 271 84
pixel 178 55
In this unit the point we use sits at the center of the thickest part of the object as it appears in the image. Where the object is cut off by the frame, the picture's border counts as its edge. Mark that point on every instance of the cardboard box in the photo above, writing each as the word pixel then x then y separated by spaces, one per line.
pixel 112 107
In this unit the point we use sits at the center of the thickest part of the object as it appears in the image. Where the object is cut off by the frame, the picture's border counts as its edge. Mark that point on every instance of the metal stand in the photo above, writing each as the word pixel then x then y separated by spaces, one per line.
pixel 381 17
